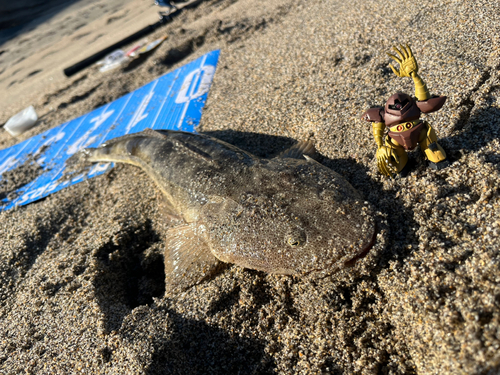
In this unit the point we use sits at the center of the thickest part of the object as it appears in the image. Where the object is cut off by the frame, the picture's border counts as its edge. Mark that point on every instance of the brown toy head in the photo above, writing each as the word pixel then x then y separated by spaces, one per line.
pixel 400 108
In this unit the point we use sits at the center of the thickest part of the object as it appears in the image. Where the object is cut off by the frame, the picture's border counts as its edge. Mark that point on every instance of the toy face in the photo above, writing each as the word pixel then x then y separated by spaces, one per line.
pixel 400 108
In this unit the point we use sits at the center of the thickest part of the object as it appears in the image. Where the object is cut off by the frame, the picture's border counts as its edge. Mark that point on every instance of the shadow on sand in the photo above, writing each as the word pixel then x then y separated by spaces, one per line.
pixel 18 17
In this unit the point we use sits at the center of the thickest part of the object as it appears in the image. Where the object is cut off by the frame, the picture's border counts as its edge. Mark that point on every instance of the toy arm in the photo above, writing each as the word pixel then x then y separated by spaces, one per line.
pixel 375 116
pixel 384 154
pixel 378 133
pixel 408 67
pixel 421 91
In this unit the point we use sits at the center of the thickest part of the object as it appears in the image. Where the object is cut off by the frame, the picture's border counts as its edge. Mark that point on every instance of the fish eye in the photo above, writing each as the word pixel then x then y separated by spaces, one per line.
pixel 296 238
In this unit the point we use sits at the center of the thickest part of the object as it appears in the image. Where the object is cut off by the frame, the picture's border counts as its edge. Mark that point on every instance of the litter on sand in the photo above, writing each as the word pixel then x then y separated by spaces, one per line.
pixel 112 61
pixel 151 46
pixel 133 51
pixel 173 101
pixel 21 121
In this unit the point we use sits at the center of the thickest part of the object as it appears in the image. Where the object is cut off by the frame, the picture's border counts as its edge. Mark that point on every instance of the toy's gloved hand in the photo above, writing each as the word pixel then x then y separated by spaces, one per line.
pixel 386 161
pixel 407 63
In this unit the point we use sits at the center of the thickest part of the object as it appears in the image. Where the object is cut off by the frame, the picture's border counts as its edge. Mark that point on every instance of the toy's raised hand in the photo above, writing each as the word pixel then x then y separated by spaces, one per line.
pixel 407 63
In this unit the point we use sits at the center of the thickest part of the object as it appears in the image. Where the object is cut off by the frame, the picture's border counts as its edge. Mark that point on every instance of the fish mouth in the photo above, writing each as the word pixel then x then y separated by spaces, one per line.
pixel 364 251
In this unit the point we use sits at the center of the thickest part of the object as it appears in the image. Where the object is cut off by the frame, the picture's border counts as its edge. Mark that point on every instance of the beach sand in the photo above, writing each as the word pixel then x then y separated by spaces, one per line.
pixel 81 272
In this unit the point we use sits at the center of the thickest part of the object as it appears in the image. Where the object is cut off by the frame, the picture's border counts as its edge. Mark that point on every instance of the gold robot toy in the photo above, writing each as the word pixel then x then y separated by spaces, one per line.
pixel 401 115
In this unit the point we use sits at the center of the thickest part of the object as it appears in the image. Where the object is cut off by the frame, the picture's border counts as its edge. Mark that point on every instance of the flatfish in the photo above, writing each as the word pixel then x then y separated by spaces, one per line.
pixel 287 215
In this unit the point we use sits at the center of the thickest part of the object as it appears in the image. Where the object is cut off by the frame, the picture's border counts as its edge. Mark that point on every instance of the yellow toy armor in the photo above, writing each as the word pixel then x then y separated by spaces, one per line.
pixel 401 115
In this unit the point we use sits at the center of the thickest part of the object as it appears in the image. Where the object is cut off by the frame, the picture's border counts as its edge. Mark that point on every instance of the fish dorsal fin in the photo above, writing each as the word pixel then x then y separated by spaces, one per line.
pixel 300 149
pixel 162 134
pixel 311 160
pixel 178 141
pixel 188 259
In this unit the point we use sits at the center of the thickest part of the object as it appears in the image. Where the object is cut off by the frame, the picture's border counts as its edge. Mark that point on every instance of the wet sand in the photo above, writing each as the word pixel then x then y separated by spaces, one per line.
pixel 81 272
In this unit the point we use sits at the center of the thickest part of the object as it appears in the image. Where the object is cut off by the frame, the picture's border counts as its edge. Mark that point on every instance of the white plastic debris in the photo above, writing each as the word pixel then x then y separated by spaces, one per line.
pixel 21 121
pixel 113 60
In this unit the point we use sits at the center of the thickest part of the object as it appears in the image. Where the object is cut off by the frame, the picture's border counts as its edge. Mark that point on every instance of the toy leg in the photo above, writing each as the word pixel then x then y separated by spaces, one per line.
pixel 432 150
pixel 402 155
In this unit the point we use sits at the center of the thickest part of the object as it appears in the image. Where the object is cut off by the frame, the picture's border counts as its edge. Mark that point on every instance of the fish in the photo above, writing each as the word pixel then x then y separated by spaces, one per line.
pixel 287 215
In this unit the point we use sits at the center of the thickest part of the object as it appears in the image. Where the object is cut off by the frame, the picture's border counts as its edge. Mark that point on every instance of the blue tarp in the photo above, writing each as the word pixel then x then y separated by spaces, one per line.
pixel 173 101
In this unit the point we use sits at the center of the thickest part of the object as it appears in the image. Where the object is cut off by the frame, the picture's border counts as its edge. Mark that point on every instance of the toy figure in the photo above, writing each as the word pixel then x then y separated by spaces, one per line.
pixel 401 115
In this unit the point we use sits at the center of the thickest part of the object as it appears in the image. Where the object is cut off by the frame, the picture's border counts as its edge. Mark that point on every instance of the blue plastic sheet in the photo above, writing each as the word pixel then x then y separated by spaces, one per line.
pixel 173 101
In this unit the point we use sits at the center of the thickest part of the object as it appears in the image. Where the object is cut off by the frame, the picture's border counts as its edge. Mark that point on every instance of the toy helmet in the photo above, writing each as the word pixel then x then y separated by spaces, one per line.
pixel 400 108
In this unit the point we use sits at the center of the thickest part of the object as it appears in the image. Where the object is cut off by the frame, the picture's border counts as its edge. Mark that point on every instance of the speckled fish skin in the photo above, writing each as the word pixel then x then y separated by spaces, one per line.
pixel 283 215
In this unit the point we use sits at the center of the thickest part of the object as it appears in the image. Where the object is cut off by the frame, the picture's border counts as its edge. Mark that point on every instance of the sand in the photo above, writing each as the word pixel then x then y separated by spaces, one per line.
pixel 81 271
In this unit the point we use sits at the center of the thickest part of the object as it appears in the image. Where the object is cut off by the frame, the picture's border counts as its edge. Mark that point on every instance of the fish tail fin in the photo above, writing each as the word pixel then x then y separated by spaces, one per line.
pixel 130 149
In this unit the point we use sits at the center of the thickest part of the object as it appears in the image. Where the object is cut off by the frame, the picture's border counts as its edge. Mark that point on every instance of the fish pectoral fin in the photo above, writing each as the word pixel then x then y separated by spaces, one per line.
pixel 300 149
pixel 168 210
pixel 188 259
